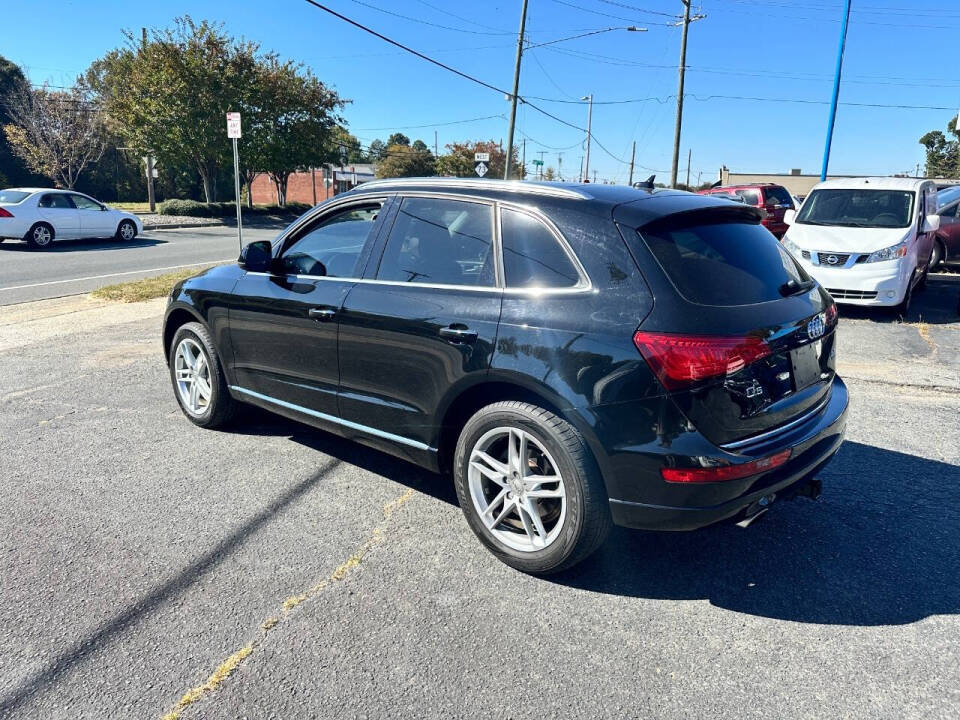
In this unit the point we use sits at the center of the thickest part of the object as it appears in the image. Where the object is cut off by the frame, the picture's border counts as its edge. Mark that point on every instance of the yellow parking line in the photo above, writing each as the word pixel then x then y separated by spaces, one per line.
pixel 229 666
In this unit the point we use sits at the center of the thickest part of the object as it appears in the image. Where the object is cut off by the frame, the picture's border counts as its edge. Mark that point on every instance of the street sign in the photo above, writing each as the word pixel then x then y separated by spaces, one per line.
pixel 480 168
pixel 538 162
pixel 233 125
pixel 481 157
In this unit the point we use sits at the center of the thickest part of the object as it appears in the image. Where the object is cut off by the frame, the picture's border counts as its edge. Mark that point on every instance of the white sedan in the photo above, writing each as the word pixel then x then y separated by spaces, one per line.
pixel 38 215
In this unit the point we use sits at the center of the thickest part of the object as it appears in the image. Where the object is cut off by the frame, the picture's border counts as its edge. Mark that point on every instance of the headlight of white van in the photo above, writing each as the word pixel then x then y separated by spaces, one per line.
pixel 791 247
pixel 891 253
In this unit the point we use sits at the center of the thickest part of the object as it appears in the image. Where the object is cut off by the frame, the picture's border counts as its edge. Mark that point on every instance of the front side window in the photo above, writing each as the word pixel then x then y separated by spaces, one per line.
pixel 56 200
pixel 722 262
pixel 856 207
pixel 532 255
pixel 441 242
pixel 332 246
pixel 84 203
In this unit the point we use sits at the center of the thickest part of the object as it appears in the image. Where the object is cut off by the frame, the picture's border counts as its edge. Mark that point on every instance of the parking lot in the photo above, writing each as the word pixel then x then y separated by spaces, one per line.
pixel 145 558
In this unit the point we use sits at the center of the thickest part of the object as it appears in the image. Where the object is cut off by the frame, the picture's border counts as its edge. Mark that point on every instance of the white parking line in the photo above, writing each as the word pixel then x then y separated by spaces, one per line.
pixel 118 274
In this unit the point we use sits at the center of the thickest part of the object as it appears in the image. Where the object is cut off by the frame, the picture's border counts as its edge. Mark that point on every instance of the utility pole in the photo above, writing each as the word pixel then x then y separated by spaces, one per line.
pixel 151 195
pixel 516 89
pixel 540 166
pixel 836 92
pixel 682 71
pixel 435 153
pixel 580 176
pixel 633 152
pixel 559 166
pixel 586 166
pixel 689 155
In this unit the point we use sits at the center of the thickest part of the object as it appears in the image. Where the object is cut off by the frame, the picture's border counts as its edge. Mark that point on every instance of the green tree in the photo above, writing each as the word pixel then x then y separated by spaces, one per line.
pixel 398 139
pixel 56 134
pixel 348 147
pixel 459 162
pixel 297 121
pixel 549 174
pixel 404 161
pixel 377 150
pixel 943 154
pixel 170 95
pixel 12 170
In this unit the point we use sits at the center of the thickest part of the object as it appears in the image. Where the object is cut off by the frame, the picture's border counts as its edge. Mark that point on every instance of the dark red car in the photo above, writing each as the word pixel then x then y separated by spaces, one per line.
pixel 773 199
pixel 947 247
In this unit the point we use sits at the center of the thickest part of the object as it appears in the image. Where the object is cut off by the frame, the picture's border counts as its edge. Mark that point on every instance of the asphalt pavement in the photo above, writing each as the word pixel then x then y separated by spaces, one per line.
pixel 152 569
pixel 79 266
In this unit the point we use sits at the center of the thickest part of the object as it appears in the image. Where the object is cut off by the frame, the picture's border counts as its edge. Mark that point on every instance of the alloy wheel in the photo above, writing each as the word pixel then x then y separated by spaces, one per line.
pixel 192 372
pixel 517 489
pixel 127 231
pixel 41 235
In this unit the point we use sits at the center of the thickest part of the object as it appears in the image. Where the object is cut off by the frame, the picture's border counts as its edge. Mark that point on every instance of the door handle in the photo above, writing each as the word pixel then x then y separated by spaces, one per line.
pixel 458 333
pixel 322 313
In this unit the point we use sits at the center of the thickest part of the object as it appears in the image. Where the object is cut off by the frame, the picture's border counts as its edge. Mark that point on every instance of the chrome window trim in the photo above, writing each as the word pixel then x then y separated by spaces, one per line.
pixel 783 428
pixel 488 185
pixel 438 286
pixel 334 419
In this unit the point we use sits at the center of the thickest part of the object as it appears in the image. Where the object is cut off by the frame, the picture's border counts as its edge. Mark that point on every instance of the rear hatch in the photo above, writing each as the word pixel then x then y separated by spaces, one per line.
pixel 740 336
pixel 776 202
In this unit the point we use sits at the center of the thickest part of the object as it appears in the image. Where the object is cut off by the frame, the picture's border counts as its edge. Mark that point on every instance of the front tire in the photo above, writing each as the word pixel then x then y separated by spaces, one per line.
pixel 40 236
pixel 198 382
pixel 530 488
pixel 126 230
pixel 903 307
pixel 936 256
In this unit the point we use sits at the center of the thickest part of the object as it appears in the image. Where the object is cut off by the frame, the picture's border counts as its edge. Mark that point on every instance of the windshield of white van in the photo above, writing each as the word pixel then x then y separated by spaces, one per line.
pixel 858 208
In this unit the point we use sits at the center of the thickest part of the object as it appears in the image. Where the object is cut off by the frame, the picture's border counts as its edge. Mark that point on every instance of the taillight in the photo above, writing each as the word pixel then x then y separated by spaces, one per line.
pixel 5 213
pixel 720 473
pixel 830 315
pixel 678 360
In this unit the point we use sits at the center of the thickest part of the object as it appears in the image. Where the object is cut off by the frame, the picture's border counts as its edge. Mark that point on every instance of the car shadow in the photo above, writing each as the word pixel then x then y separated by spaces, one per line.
pixel 879 548
pixel 64 246
pixel 938 304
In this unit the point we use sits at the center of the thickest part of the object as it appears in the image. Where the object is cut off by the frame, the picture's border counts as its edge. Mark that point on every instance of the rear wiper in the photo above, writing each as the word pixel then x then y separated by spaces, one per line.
pixel 792 287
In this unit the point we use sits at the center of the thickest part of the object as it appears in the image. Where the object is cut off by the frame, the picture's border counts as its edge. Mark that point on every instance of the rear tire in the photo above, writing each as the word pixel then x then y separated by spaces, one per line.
pixel 126 230
pixel 198 381
pixel 498 500
pixel 40 236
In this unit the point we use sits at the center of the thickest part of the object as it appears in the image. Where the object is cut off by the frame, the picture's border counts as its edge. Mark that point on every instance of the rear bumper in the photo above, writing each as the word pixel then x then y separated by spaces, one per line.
pixel 814 443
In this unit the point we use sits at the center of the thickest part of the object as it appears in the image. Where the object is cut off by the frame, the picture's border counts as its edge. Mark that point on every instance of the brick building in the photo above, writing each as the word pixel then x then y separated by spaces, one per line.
pixel 312 186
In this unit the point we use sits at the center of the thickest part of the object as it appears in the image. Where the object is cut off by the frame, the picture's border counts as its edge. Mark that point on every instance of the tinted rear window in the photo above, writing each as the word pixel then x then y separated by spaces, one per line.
pixel 12 196
pixel 722 263
pixel 778 195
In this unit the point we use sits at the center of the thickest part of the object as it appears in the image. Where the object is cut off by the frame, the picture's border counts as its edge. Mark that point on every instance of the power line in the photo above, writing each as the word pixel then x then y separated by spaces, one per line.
pixel 609 15
pixel 430 125
pixel 425 22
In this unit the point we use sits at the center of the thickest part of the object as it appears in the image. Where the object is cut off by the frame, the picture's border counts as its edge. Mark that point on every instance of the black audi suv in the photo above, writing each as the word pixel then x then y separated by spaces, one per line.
pixel 570 355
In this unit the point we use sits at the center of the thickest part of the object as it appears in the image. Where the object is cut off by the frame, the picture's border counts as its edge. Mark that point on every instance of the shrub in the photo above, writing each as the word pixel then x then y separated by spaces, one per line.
pixel 194 208
pixel 190 208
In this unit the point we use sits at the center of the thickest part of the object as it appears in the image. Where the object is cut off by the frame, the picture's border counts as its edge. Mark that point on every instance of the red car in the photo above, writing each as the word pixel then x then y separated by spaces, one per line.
pixel 773 199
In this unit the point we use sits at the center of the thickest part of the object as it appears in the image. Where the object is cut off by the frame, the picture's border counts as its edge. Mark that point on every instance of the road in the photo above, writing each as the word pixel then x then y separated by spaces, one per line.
pixel 143 557
pixel 78 266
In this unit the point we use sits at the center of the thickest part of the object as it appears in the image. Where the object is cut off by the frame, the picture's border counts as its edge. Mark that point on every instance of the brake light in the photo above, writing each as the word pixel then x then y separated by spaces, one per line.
pixel 5 213
pixel 678 360
pixel 721 473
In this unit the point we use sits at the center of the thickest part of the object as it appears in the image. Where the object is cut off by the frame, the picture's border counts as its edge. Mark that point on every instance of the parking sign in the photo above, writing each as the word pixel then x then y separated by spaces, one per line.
pixel 233 124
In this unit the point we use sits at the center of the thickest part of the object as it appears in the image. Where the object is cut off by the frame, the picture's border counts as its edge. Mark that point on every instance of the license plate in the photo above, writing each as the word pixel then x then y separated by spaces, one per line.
pixel 805 363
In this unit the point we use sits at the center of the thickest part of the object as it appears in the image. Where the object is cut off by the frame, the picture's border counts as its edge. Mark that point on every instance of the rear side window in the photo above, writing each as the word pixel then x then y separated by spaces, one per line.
pixel 440 242
pixel 722 263
pixel 750 197
pixel 778 195
pixel 532 255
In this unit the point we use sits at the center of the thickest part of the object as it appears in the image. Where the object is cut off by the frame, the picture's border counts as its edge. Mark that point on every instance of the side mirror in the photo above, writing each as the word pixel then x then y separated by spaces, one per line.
pixel 256 257
pixel 790 216
pixel 931 223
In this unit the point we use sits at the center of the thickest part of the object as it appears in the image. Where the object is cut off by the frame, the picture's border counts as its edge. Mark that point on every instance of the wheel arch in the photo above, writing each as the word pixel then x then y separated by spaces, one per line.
pixel 177 317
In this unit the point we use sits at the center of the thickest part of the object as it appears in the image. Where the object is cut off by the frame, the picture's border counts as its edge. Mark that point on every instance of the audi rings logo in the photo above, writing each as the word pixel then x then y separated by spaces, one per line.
pixel 831 259
pixel 816 327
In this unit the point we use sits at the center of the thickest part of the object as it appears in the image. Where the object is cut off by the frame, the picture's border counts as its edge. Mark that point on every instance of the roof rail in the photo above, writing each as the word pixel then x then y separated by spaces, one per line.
pixel 478 184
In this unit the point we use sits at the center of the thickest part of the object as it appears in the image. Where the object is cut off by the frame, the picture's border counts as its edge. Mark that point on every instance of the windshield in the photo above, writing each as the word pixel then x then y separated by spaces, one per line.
pixel 858 208
pixel 12 197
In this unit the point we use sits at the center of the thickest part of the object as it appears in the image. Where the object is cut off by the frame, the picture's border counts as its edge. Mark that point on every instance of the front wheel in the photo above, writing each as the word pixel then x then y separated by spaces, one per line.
pixel 936 256
pixel 529 487
pixel 901 309
pixel 126 230
pixel 198 381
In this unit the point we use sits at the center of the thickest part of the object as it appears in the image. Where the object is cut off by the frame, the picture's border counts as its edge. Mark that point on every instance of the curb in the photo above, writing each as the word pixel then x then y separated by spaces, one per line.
pixel 182 226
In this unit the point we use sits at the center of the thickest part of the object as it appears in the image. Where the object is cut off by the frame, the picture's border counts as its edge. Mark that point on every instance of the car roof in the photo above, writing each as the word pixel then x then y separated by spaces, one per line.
pixel 873 183
pixel 586 197
pixel 721 188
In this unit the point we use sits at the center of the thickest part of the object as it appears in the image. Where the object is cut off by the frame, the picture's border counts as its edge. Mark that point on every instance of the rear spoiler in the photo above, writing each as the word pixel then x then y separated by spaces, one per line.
pixel 724 212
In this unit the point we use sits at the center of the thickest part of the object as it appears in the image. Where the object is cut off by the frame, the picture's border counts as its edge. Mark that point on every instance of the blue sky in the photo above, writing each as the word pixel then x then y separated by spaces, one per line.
pixel 896 55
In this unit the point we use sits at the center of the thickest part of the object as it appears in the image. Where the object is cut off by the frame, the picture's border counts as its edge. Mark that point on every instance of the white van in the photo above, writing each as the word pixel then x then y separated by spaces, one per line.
pixel 866 240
